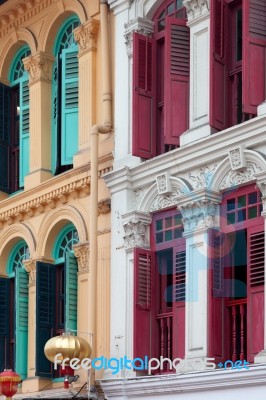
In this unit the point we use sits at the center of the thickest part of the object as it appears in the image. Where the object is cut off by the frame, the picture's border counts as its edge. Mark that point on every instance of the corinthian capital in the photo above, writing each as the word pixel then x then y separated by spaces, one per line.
pixel 86 36
pixel 30 267
pixel 82 252
pixel 39 66
pixel 196 8
pixel 137 230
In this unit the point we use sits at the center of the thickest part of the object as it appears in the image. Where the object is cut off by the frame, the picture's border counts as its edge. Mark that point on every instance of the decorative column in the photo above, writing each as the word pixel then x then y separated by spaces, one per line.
pixel 200 212
pixel 39 66
pixel 86 37
pixel 199 23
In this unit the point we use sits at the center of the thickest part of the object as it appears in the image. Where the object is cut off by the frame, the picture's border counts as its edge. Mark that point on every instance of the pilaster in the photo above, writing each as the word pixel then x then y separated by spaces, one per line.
pixel 39 66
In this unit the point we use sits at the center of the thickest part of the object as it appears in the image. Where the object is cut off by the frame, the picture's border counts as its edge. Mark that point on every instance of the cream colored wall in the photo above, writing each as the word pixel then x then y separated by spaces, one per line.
pixel 39 212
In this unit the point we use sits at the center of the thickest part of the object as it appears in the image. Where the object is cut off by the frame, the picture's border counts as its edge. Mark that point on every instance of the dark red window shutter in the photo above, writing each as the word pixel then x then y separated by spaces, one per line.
pixel 254 58
pixel 179 299
pixel 144 299
pixel 218 65
pixel 143 141
pixel 176 80
pixel 255 303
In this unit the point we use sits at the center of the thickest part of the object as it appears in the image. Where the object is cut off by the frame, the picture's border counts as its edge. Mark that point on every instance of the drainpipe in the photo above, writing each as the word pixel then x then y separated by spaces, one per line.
pixel 103 128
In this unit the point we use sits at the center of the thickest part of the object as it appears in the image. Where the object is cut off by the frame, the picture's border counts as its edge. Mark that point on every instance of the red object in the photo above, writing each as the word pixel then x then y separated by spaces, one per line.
pixel 9 382
pixel 67 370
pixel 143 140
pixel 66 383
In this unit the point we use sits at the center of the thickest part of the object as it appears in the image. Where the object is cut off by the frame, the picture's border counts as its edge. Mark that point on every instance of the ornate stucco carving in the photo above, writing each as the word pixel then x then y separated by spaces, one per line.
pixel 30 267
pixel 82 252
pixel 104 206
pixel 202 177
pixel 196 8
pixel 163 183
pixel 136 226
pixel 244 175
pixel 86 36
pixel 140 25
pixel 237 158
pixel 39 66
pixel 166 200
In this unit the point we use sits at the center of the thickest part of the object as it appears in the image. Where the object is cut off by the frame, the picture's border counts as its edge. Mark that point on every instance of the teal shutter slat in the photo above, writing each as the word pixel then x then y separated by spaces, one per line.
pixel 55 115
pixel 45 315
pixel 69 145
pixel 24 130
pixel 71 291
pixel 21 327
pixel 4 322
pixel 4 136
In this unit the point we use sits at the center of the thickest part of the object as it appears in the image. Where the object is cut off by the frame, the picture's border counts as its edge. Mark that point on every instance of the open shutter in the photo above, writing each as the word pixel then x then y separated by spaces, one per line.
pixel 255 303
pixel 144 299
pixel 70 82
pixel 4 322
pixel 21 326
pixel 24 138
pixel 144 134
pixel 254 57
pixel 176 80
pixel 179 299
pixel 4 136
pixel 45 315
pixel 71 291
pixel 218 65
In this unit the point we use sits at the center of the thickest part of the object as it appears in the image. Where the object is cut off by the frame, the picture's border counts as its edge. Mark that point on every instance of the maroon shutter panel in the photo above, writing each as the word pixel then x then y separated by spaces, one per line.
pixel 176 80
pixel 255 303
pixel 254 42
pixel 144 317
pixel 179 300
pixel 216 314
pixel 143 141
pixel 218 67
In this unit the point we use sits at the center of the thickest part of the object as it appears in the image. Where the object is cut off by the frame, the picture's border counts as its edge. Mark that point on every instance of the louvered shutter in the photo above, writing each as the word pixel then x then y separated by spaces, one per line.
pixel 4 137
pixel 144 317
pixel 71 291
pixel 255 303
pixel 21 325
pixel 45 315
pixel 144 133
pixel 69 139
pixel 24 136
pixel 218 65
pixel 176 80
pixel 254 56
pixel 179 299
pixel 56 124
pixel 4 322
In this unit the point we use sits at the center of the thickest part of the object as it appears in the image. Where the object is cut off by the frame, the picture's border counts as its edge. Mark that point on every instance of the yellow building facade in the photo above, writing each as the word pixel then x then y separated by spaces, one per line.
pixel 55 145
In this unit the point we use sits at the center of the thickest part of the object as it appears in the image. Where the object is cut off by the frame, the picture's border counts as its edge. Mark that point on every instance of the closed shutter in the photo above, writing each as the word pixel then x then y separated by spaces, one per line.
pixel 5 111
pixel 69 145
pixel 24 130
pixel 45 315
pixel 254 57
pixel 144 300
pixel 71 292
pixel 4 323
pixel 21 326
pixel 218 65
pixel 56 122
pixel 255 303
pixel 144 133
pixel 176 80
pixel 179 299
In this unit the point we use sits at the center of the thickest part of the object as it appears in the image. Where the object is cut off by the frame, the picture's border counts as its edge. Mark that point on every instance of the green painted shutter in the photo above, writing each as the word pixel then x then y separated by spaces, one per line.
pixel 4 322
pixel 69 145
pixel 4 136
pixel 24 130
pixel 55 115
pixel 21 330
pixel 71 291
pixel 45 315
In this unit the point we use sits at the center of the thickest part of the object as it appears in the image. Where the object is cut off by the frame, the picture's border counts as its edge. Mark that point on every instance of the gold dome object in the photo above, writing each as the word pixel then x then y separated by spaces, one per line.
pixel 69 346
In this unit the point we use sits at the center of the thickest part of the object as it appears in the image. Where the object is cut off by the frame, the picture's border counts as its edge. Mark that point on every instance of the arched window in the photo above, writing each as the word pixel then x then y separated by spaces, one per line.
pixel 65 97
pixel 14 125
pixel 14 312
pixel 57 287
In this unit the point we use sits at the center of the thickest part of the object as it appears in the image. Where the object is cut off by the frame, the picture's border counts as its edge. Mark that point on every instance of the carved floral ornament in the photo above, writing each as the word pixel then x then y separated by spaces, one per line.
pixel 140 25
pixel 30 267
pixel 86 36
pixel 82 253
pixel 39 66
pixel 137 230
pixel 196 8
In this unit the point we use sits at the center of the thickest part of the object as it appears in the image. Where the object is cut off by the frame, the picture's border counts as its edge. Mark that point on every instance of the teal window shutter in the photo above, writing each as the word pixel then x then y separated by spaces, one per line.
pixel 4 322
pixel 69 115
pixel 4 137
pixel 45 315
pixel 71 291
pixel 21 324
pixel 24 130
